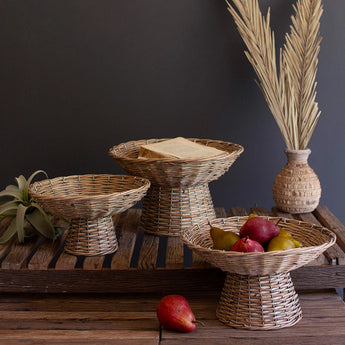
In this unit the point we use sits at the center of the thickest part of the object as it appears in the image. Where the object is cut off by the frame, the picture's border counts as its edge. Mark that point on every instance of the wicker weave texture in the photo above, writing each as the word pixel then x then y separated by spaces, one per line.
pixel 259 303
pixel 297 188
pixel 89 196
pixel 88 202
pixel 258 292
pixel 176 173
pixel 179 196
pixel 166 211
pixel 315 240
pixel 91 237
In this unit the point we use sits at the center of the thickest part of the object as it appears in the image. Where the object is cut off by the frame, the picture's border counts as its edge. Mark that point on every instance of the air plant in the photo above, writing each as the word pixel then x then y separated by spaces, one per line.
pixel 25 215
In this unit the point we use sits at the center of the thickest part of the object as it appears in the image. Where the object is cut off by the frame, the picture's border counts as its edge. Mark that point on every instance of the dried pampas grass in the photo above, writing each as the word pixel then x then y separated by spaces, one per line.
pixel 290 94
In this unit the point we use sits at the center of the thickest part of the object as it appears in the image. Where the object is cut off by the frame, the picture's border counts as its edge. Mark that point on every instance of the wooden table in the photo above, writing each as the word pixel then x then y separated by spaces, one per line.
pixel 49 297
pixel 131 320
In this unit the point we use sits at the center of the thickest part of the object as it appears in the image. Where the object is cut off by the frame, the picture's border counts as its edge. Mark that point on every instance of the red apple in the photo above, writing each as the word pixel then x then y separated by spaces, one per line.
pixel 259 229
pixel 174 313
pixel 246 245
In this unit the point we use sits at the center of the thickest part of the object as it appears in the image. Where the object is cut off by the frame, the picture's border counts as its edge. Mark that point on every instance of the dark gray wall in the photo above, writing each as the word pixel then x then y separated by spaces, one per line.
pixel 79 76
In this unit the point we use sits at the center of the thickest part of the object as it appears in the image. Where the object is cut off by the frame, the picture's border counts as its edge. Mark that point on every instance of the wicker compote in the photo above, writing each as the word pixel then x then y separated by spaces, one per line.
pixel 179 195
pixel 258 293
pixel 88 202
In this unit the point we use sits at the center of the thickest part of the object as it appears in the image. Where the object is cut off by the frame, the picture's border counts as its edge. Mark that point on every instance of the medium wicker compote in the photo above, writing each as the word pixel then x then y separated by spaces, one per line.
pixel 258 293
pixel 179 195
pixel 88 202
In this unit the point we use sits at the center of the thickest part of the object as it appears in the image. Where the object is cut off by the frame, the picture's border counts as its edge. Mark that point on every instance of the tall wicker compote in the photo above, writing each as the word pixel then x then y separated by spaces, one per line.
pixel 179 195
pixel 258 293
pixel 88 202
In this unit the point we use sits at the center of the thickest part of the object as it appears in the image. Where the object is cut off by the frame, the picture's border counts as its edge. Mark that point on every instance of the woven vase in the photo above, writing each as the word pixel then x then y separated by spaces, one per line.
pixel 297 188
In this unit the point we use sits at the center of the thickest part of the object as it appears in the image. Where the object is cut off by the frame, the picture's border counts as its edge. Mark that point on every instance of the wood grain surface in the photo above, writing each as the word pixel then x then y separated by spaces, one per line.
pixel 146 262
pixel 56 319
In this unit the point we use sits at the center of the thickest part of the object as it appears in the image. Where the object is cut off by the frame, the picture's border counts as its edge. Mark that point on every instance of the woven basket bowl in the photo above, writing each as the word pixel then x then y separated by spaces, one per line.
pixel 315 240
pixel 178 173
pixel 89 196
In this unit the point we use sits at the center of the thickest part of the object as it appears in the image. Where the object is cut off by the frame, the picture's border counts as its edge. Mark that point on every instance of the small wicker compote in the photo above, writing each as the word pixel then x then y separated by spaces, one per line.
pixel 179 195
pixel 258 293
pixel 88 202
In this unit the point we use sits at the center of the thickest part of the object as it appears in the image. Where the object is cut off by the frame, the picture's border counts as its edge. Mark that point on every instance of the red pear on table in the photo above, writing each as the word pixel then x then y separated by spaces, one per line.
pixel 174 313
pixel 259 229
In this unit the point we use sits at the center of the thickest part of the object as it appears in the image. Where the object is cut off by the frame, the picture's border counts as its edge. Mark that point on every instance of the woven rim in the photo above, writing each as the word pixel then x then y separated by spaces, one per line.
pixel 315 240
pixel 89 196
pixel 176 172
pixel 123 152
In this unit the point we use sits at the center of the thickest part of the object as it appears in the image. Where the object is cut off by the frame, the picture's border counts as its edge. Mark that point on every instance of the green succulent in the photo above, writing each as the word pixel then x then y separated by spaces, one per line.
pixel 24 211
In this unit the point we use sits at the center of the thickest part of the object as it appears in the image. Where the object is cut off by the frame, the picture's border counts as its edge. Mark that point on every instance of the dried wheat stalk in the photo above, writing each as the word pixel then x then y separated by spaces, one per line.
pixel 290 94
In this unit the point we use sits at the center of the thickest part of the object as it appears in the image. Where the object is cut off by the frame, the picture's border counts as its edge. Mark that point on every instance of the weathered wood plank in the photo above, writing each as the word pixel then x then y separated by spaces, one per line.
pixel 240 339
pixel 18 255
pixel 74 342
pixel 6 247
pixel 220 212
pixel 115 281
pixel 93 262
pixel 91 302
pixel 334 254
pixel 150 281
pixel 132 320
pixel 66 262
pixel 321 324
pixel 148 252
pixel 319 277
pixel 330 221
pixel 261 211
pixel 71 279
pixel 174 253
pixel 76 324
pixel 238 211
pixel 115 337
pixel 128 235
pixel 45 253
pixel 69 319
pixel 78 320
pixel 76 315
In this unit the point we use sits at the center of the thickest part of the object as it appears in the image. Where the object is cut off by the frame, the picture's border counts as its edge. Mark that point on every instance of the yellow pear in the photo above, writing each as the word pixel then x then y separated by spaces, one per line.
pixel 252 215
pixel 297 244
pixel 280 242
pixel 222 239
pixel 284 232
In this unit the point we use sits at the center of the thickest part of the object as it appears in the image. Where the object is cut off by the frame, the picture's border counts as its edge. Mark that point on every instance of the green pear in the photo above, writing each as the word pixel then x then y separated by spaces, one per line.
pixel 222 239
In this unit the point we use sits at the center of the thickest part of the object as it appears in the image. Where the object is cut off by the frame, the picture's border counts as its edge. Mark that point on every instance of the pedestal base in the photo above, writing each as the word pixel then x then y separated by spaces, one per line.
pixel 259 303
pixel 91 237
pixel 167 211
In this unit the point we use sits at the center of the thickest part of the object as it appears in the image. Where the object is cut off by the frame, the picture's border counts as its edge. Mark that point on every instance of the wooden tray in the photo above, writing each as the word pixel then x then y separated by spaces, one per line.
pixel 148 263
